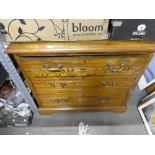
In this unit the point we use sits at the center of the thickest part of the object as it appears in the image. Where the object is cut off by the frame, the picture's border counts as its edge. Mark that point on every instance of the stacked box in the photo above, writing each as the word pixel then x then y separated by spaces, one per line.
pixel 133 29
pixel 28 30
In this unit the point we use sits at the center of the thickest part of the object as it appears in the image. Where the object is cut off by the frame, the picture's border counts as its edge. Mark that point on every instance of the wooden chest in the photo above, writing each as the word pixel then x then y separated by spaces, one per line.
pixel 82 76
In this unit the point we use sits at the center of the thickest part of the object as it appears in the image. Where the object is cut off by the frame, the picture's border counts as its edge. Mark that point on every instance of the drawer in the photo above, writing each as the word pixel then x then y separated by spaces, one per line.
pixel 83 66
pixel 89 83
pixel 91 101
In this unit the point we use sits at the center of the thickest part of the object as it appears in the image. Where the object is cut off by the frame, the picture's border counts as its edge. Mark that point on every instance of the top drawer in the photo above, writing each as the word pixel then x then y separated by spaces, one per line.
pixel 83 65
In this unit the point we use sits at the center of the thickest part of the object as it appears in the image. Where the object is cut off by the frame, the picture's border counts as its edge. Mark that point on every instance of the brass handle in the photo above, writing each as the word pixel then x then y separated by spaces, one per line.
pixel 58 85
pixel 109 84
pixel 106 100
pixel 58 69
pixel 116 69
pixel 65 100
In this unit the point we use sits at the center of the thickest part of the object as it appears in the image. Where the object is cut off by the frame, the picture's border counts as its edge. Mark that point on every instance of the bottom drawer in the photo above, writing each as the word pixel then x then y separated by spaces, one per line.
pixel 91 101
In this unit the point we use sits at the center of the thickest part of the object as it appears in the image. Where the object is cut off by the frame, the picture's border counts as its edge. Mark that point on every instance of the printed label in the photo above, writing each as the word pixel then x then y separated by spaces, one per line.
pixel 140 30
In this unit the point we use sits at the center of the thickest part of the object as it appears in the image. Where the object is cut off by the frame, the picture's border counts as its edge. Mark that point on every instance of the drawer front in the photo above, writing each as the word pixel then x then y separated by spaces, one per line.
pixel 91 101
pixel 89 83
pixel 83 66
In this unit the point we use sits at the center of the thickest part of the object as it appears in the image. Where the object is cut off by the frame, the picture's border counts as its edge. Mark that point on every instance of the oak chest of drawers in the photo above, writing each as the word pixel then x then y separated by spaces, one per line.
pixel 82 76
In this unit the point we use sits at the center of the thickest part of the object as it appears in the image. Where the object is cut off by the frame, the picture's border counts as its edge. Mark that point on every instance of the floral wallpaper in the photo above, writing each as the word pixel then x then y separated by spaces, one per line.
pixel 53 29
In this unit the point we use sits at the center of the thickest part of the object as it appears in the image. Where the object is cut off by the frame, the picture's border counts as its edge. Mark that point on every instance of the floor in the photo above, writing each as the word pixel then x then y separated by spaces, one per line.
pixel 100 123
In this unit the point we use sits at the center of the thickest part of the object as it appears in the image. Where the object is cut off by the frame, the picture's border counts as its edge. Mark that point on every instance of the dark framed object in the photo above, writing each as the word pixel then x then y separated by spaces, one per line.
pixel 147 112
pixel 3 74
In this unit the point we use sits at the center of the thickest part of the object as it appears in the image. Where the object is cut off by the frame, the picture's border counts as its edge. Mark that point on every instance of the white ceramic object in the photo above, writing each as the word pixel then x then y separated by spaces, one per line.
pixel 25 112
pixel 9 108
pixel 22 106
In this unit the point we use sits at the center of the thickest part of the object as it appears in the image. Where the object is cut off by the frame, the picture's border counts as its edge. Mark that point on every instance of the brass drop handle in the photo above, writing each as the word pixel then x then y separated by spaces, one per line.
pixel 61 101
pixel 109 84
pixel 116 69
pixel 58 69
pixel 58 85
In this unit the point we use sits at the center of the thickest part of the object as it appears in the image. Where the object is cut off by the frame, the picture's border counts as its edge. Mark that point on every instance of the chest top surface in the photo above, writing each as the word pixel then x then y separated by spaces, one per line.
pixel 82 47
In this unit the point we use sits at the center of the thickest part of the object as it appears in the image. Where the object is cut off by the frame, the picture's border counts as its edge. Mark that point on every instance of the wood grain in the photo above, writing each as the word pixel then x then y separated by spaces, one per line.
pixel 150 88
pixel 48 111
pixel 82 47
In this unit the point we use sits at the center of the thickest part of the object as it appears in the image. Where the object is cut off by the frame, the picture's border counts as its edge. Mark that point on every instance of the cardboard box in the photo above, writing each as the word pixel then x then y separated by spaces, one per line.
pixel 26 30
pixel 133 29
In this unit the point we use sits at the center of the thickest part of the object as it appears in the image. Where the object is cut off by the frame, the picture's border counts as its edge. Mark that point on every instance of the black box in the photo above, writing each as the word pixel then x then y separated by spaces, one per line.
pixel 133 29
pixel 3 74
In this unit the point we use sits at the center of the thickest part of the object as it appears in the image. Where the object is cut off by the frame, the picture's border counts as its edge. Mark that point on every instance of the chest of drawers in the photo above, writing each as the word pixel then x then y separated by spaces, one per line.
pixel 82 76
